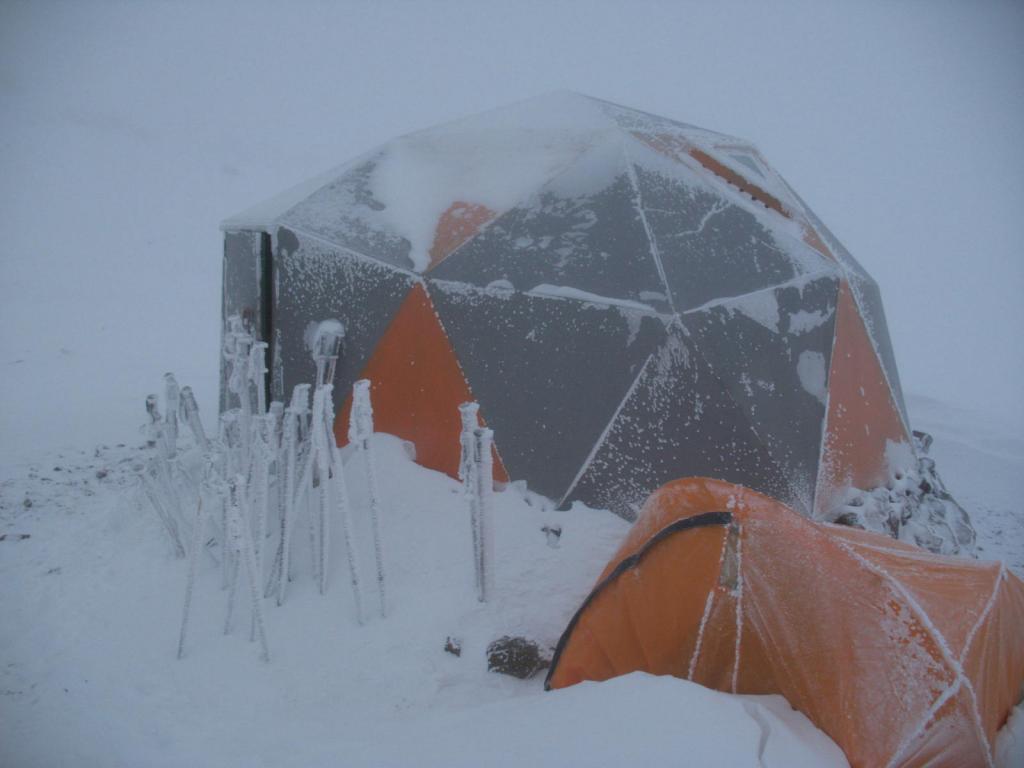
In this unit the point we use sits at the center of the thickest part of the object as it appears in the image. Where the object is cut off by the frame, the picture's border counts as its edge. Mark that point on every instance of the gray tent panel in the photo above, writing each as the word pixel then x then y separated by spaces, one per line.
pixel 678 421
pixel 315 283
pixel 549 373
pixel 345 212
pixel 582 230
pixel 711 247
pixel 772 351
pixel 869 301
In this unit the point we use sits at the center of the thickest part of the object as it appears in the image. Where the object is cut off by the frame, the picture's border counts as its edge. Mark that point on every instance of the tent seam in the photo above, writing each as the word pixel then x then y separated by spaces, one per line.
pixel 818 472
pixel 794 281
pixel 739 607
pixel 707 612
pixel 985 612
pixel 604 433
pixel 809 221
pixel 353 253
pixel 652 243
pixel 741 411
pixel 700 635
pixel 462 371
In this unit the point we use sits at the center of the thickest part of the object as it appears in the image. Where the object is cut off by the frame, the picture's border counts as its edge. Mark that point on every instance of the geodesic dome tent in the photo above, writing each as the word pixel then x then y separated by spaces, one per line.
pixel 630 299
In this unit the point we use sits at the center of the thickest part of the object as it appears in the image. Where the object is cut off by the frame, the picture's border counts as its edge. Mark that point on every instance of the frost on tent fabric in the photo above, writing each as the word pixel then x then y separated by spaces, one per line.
pixel 903 657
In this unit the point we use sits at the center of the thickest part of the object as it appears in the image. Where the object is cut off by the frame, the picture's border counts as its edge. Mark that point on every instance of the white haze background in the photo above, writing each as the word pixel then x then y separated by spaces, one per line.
pixel 129 130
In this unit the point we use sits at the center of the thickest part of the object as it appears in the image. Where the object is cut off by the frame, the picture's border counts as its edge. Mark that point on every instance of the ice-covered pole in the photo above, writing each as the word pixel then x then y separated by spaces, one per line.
pixel 242 362
pixel 258 374
pixel 326 345
pixel 337 489
pixel 172 403
pixel 468 470
pixel 321 533
pixel 190 413
pixel 290 448
pixel 240 537
pixel 469 413
pixel 152 428
pixel 484 476
pixel 360 432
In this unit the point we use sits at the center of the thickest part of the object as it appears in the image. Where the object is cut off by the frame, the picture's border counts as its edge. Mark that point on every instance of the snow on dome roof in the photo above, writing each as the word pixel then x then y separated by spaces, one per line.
pixel 388 203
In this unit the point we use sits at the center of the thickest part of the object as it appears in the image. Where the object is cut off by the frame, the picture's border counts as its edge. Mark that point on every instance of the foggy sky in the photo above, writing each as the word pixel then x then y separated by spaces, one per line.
pixel 128 131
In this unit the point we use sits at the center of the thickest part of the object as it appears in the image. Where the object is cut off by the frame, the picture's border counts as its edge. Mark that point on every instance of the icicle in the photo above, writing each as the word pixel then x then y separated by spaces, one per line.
pixel 360 432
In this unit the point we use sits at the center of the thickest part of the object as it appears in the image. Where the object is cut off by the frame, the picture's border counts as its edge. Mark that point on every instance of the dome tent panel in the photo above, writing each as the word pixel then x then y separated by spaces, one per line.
pixel 581 230
pixel 315 282
pixel 678 419
pixel 417 387
pixel 346 212
pixel 865 439
pixel 712 244
pixel 771 350
pixel 548 372
pixel 865 289
pixel 457 224
pixel 868 298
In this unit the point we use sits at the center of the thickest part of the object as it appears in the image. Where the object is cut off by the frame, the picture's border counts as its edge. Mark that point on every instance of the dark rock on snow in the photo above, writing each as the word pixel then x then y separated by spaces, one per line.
pixel 516 656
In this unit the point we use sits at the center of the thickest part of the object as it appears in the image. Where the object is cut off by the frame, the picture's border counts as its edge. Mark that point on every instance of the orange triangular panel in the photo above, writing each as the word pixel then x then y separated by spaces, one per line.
pixel 863 424
pixel 457 224
pixel 417 387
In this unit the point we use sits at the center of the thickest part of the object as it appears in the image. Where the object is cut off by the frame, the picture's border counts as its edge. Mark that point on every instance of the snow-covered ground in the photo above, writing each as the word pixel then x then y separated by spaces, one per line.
pixel 92 602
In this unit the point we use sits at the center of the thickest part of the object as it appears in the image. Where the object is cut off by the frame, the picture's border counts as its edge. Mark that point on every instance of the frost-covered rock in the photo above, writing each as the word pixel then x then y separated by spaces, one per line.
pixel 516 656
pixel 914 506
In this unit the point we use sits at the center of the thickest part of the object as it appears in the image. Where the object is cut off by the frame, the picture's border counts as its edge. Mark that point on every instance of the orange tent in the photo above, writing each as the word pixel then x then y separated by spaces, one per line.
pixel 903 657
